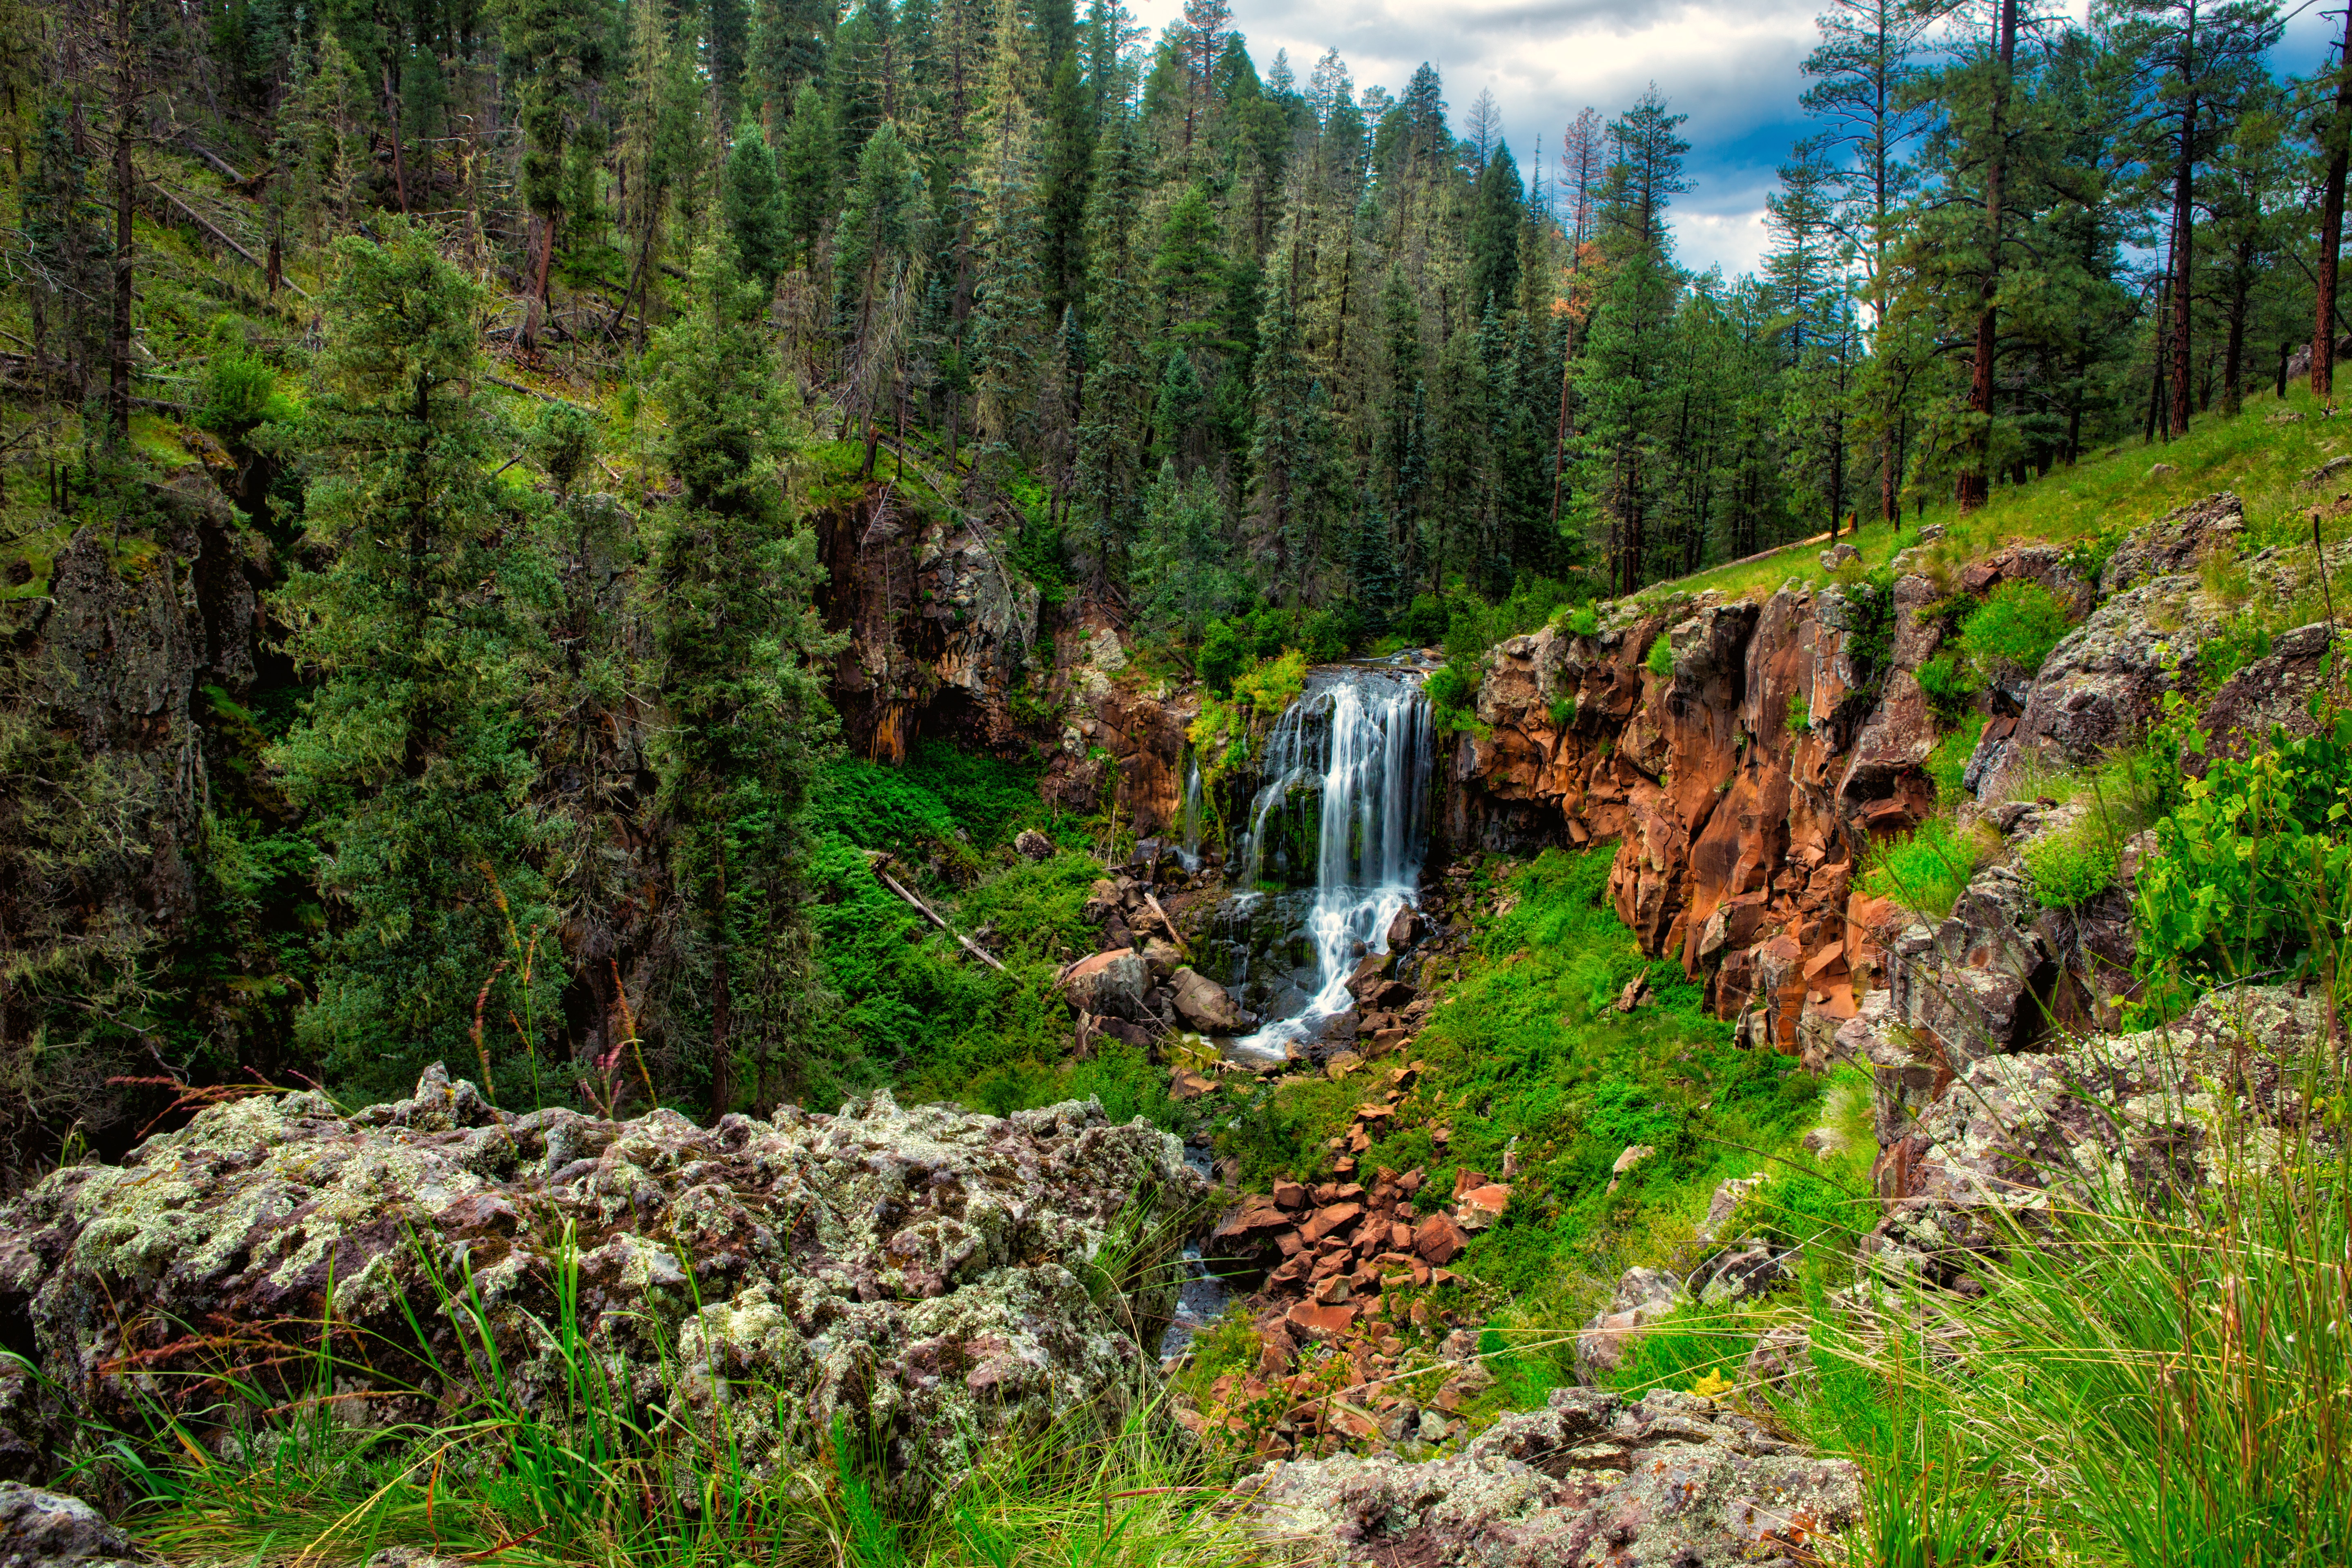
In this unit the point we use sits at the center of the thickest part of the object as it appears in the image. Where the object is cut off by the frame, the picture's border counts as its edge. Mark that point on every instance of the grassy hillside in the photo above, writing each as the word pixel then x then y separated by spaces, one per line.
pixel 2262 454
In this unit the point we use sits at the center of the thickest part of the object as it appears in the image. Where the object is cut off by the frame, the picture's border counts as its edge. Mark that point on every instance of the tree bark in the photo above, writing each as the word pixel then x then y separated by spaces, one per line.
pixel 126 188
pixel 2184 219
pixel 392 124
pixel 2331 219
pixel 1975 484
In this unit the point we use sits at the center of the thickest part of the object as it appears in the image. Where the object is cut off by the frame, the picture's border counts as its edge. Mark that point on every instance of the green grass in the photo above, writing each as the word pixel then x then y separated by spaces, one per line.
pixel 1526 1054
pixel 2262 462
pixel 914 1010
pixel 1927 869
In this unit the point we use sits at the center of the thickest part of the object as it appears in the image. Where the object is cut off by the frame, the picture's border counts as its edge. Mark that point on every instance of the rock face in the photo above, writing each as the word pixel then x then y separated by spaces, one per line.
pixel 1742 786
pixel 1671 1481
pixel 920 1273
pixel 105 700
pixel 2130 1118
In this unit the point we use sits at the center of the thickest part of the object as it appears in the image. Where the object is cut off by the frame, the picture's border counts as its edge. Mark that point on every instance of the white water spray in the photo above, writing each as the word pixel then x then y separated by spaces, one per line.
pixel 1365 735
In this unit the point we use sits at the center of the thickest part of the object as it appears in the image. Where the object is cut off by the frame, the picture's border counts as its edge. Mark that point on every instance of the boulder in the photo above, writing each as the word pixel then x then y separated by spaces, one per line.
pixel 1669 1481
pixel 921 1272
pixel 1838 554
pixel 38 1529
pixel 2272 693
pixel 1116 984
pixel 1643 1295
pixel 1740 1273
pixel 2174 542
pixel 1439 1240
pixel 1206 1005
pixel 2129 1118
pixel 1161 959
pixel 1032 844
pixel 1781 1361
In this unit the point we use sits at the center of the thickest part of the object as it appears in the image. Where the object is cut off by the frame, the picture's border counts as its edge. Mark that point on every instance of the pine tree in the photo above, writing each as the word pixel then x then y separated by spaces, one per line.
pixel 752 205
pixel 806 175
pixel 412 756
pixel 554 51
pixel 740 652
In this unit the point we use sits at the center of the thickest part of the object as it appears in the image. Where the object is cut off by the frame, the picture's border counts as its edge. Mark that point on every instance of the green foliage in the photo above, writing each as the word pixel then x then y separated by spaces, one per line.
pixel 1951 684
pixel 2251 872
pixel 413 758
pixel 730 606
pixel 1224 653
pixel 2240 641
pixel 1926 871
pixel 241 394
pixel 1660 660
pixel 1182 580
pixel 1582 621
pixel 1453 692
pixel 1227 729
pixel 1947 765
pixel 1872 598
pixel 2012 631
pixel 2070 866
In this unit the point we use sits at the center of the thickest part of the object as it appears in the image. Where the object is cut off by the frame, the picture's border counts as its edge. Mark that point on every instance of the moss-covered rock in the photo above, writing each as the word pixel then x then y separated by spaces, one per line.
pixel 937 1280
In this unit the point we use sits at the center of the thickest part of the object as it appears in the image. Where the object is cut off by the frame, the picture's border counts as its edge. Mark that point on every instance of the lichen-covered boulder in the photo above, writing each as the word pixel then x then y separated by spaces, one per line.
pixel 1670 1480
pixel 50 1530
pixel 922 1273
pixel 2132 1118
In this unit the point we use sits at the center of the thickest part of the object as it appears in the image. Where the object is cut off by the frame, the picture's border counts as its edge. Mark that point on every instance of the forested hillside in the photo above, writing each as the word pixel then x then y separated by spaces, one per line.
pixel 441 441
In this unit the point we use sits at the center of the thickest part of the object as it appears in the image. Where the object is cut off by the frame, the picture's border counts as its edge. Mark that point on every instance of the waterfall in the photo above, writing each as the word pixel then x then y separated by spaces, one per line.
pixel 1190 854
pixel 1363 737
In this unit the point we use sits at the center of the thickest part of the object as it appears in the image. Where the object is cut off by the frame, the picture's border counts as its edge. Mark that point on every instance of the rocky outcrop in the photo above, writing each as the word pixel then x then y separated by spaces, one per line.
pixel 1670 1480
pixel 109 738
pixel 941 628
pixel 2106 683
pixel 1741 787
pixel 922 1274
pixel 2131 1120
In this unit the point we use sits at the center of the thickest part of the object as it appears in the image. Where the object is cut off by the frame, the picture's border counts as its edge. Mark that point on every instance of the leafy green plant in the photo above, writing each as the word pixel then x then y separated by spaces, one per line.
pixel 1660 660
pixel 1951 685
pixel 2013 632
pixel 1947 765
pixel 2252 871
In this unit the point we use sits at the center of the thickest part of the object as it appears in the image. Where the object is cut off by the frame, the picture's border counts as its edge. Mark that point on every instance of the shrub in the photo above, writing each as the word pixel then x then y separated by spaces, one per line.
pixel 2072 866
pixel 1582 621
pixel 2013 630
pixel 1424 621
pixel 1330 633
pixel 1659 660
pixel 1951 688
pixel 2252 871
pixel 240 394
pixel 1926 870
pixel 1224 653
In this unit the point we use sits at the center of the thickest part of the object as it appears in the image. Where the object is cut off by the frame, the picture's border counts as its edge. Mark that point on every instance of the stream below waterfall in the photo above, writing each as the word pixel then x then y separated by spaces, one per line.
pixel 1359 742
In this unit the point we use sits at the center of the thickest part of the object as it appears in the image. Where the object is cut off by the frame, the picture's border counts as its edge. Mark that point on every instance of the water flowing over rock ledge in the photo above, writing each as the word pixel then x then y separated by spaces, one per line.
pixel 926 1274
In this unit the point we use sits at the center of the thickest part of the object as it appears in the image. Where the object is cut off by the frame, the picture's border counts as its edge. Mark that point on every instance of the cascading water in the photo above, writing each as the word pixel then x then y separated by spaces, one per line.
pixel 1363 736
pixel 1190 854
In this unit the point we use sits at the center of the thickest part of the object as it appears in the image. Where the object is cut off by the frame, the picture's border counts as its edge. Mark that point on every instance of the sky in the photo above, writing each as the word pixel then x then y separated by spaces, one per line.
pixel 1732 65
